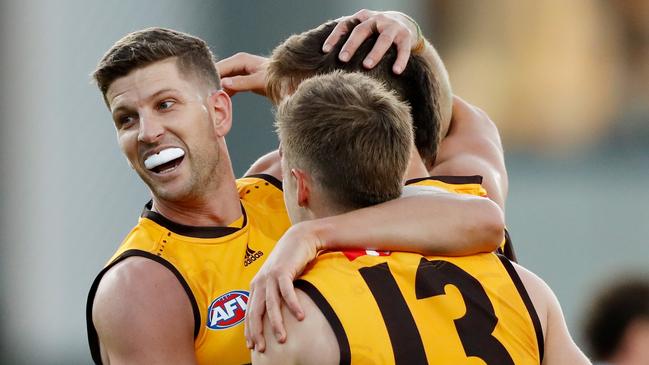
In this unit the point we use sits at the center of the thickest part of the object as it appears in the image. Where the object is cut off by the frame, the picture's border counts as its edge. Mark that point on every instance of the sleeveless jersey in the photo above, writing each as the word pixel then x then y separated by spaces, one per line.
pixel 466 185
pixel 213 264
pixel 405 308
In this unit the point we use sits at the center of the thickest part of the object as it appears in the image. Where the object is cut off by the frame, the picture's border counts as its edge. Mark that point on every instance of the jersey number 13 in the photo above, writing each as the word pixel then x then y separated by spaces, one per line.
pixel 475 328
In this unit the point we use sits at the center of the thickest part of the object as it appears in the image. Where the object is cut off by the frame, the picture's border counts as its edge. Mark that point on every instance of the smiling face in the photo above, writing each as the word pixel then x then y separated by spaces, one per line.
pixel 170 127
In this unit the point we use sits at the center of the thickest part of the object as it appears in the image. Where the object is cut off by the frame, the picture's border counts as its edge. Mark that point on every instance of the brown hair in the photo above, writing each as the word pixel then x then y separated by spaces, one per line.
pixel 144 47
pixel 351 134
pixel 301 56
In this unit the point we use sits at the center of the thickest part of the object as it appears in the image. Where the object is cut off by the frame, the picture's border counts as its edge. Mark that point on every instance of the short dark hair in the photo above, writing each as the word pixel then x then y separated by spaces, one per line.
pixel 612 311
pixel 301 56
pixel 144 47
pixel 351 134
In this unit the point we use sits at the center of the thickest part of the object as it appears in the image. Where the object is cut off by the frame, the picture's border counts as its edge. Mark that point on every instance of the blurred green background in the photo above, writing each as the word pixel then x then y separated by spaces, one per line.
pixel 566 82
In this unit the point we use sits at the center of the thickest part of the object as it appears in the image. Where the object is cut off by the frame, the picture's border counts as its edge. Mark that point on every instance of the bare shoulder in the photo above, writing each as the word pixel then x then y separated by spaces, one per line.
pixel 540 293
pixel 559 347
pixel 269 164
pixel 310 341
pixel 138 282
pixel 142 314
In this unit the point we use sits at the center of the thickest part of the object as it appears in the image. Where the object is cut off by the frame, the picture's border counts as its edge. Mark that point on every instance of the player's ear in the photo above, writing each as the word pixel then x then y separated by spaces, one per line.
pixel 302 185
pixel 220 109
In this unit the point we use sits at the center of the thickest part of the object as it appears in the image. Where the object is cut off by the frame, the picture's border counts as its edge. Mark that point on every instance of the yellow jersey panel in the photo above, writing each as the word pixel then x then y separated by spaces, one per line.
pixel 214 264
pixel 404 308
pixel 470 185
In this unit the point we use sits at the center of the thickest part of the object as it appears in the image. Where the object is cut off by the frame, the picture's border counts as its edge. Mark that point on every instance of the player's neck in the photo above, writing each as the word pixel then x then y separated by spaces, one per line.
pixel 217 208
pixel 324 209
pixel 416 167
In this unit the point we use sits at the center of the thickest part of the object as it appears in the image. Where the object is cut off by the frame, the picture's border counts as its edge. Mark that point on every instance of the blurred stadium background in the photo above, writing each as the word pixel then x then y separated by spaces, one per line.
pixel 566 82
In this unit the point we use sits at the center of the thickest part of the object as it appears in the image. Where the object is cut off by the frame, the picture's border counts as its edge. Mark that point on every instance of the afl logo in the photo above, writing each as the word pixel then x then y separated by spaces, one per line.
pixel 228 310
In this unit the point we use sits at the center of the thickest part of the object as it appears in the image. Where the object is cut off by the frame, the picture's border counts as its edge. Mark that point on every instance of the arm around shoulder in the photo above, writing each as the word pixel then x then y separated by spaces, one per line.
pixel 430 223
pixel 143 315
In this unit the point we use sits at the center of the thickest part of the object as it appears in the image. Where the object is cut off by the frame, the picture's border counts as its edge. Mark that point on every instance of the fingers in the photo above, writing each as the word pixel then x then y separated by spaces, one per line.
pixel 403 52
pixel 243 72
pixel 339 30
pixel 383 43
pixel 273 303
pixel 235 84
pixel 273 285
pixel 360 33
pixel 342 28
pixel 233 65
pixel 391 31
pixel 254 328
pixel 288 294
pixel 269 301
pixel 364 14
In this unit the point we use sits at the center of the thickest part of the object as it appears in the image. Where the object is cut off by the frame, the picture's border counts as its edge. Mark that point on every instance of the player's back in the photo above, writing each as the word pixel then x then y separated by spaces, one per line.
pixel 404 308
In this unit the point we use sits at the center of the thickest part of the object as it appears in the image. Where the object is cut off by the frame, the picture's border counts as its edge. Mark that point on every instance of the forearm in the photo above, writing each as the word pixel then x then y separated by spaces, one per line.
pixel 442 224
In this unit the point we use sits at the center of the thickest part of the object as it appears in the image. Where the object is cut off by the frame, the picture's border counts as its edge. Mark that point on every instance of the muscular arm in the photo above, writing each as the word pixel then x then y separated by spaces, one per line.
pixel 473 147
pixel 143 316
pixel 430 223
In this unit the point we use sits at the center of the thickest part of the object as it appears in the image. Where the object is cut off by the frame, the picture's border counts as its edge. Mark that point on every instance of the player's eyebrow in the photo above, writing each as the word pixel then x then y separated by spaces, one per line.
pixel 121 108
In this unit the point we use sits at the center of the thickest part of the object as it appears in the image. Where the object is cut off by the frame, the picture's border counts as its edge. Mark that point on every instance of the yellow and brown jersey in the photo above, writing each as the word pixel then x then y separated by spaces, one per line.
pixel 404 308
pixel 471 185
pixel 214 264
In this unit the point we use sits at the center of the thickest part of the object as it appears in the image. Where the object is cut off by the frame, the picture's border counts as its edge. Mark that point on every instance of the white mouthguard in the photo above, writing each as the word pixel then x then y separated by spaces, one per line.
pixel 163 157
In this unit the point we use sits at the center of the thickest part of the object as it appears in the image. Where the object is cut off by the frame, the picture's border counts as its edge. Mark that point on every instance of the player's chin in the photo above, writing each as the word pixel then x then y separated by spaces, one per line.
pixel 177 189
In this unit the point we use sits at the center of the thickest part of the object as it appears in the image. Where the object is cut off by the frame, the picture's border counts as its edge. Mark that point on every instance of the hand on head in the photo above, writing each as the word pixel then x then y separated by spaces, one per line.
pixel 393 28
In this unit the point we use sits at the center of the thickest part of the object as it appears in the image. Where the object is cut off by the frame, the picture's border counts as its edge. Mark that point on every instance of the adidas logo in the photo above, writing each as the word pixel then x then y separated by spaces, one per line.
pixel 251 256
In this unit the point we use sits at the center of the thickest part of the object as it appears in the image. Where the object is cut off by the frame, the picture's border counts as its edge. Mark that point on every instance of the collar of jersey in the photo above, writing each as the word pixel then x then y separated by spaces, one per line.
pixel 458 180
pixel 192 231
